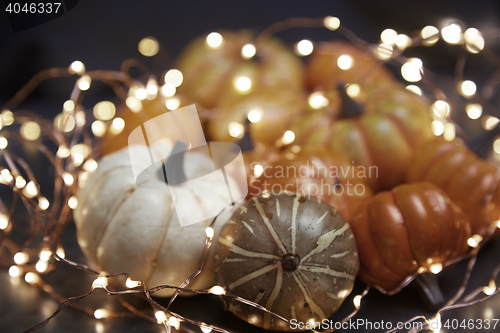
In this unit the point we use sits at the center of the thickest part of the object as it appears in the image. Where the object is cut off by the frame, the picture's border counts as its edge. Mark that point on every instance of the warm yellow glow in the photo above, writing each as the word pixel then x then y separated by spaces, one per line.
pixel 4 222
pixel 80 118
pixel 345 62
pixel 258 170
pixel 7 117
pixel 243 84
pixel 248 51
pixel 449 131
pixel 20 182
pixel 60 252
pixel 141 93
pixel 467 88
pixel 84 82
pixel 168 90
pixel 210 232
pixel 41 266
pixel 73 202
pixel 357 301
pixel 436 268
pixel 174 77
pixel 64 122
pixel 131 283
pixel 30 130
pixel 104 110
pixel 430 35
pixel 474 111
pixel 296 149
pixel 43 203
pixel 474 40
pixel 205 328
pixel 3 142
pixel 475 240
pixel 383 51
pixel 152 88
pixel 435 323
pixel 489 122
pixel 288 137
pixel 331 23
pixel 217 290
pixel 32 278
pixel 69 105
pixel 496 146
pixel 389 36
pixel 173 103
pixel 117 125
pixel 7 175
pixel 21 258
pixel 452 33
pixel 175 322
pixel 215 40
pixel 160 316
pixel 255 115
pixel 90 165
pixel 414 89
pixel 82 178
pixel 317 100
pixel 412 70
pixel 45 255
pixel 491 288
pixel 235 129
pixel 353 90
pixel 15 271
pixel 63 152
pixel 100 282
pixel 148 46
pixel 77 67
pixel 441 108
pixel 101 313
pixel 437 127
pixel 134 104
pixel 30 191
pixel 68 178
pixel 304 48
pixel 403 41
pixel 79 152
pixel 98 128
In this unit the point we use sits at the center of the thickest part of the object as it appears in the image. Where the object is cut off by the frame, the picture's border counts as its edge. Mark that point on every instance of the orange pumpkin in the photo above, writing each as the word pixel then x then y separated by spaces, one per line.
pixel 311 172
pixel 342 62
pixel 211 66
pixel 469 181
pixel 381 133
pixel 414 225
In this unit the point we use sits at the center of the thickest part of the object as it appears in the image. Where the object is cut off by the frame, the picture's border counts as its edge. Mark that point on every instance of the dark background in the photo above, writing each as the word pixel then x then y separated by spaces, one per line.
pixel 102 34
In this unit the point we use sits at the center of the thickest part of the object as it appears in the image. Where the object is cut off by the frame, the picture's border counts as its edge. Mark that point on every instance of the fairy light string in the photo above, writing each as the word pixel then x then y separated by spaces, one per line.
pixel 75 159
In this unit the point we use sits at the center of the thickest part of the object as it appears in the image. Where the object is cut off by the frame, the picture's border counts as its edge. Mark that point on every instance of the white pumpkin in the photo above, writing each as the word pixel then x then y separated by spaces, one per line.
pixel 123 227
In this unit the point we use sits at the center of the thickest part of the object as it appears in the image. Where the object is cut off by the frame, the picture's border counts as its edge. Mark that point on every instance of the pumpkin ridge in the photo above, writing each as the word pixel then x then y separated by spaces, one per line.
pixel 435 159
pixel 366 146
pixel 404 134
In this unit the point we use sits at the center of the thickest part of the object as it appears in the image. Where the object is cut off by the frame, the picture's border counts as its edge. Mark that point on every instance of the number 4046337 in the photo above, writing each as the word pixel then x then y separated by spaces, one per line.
pixel 33 8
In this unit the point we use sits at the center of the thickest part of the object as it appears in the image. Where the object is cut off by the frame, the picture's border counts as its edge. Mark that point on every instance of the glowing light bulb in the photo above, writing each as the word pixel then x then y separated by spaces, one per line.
pixel 68 178
pixel 84 82
pixel 131 283
pixel 205 328
pixel 389 36
pixel 141 93
pixel 41 266
pixel 414 89
pixel 435 323
pixel 215 40
pixel 100 282
pixel 60 252
pixel 430 35
pixel 3 142
pixel 15 271
pixel 217 290
pixel 441 108
pixel 31 190
pixel 452 33
pixel 383 51
pixel 174 77
pixel 317 100
pixel 496 146
pixel 151 89
pixel 173 103
pixel 7 118
pixel 7 176
pixel 160 316
pixel 63 152
pixel 412 70
pixel 235 129
pixel 64 122
pixel 357 301
pixel 30 130
pixel 101 313
pixel 437 127
pixel 403 41
pixel 117 126
pixel 20 182
pixel 491 288
pixel 21 258
pixel 475 240
pixel 90 165
pixel 45 255
pixel 79 152
pixel 288 137
pixel 32 278
pixel 449 131
pixel 73 202
pixel 210 232
pixel 69 106
pixel 43 203
pixel 258 170
pixel 168 90
pixel 243 84
pixel 489 122
pixel 255 115
pixel 353 90
pixel 467 88
pixel 77 67
pixel 175 322
pixel 345 62
pixel 304 48
pixel 104 110
pixel 248 51
pixel 436 268
pixel 134 104
pixel 331 23
pixel 4 222
pixel 148 46
pixel 98 128
pixel 474 41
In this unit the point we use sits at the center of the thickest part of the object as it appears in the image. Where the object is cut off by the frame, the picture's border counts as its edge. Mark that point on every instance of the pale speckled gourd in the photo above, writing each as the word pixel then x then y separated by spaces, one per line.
pixel 294 255
pixel 122 227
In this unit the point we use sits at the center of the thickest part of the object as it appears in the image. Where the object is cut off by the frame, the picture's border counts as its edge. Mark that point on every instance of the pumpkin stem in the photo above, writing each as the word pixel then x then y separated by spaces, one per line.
pixel 349 108
pixel 428 287
pixel 246 142
pixel 481 145
pixel 175 165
